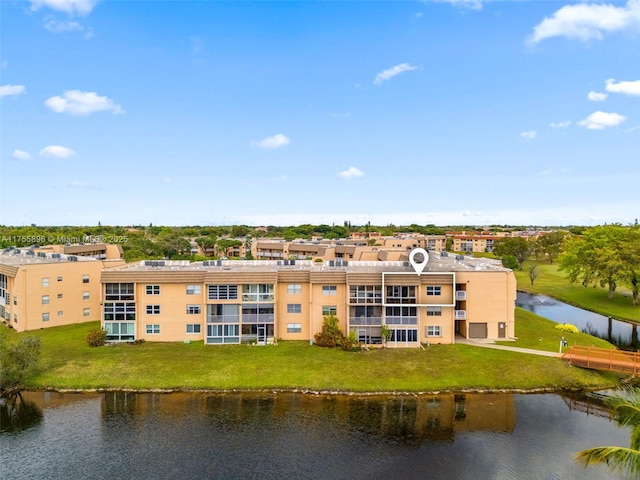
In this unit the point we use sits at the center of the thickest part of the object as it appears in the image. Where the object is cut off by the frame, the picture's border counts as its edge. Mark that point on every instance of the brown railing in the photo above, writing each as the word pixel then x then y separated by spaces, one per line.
pixel 604 359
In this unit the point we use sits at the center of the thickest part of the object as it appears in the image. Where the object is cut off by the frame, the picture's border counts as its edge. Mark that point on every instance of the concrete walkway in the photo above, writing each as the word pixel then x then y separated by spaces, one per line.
pixel 490 344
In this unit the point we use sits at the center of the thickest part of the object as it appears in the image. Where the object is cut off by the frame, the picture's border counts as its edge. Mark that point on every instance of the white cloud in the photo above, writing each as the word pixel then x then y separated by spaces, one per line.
pixel 628 88
pixel 564 124
pixel 56 151
pixel 20 155
pixel 351 172
pixel 600 120
pixel 392 72
pixel 469 213
pixel 76 102
pixel 529 134
pixel 11 90
pixel 70 7
pixel 57 26
pixel 586 21
pixel 472 4
pixel 276 141
pixel 597 96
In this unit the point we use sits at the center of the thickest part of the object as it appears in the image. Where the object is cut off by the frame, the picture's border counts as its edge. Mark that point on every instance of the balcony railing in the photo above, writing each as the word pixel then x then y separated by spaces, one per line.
pixel 460 314
pixel 401 320
pixel 461 295
pixel 353 321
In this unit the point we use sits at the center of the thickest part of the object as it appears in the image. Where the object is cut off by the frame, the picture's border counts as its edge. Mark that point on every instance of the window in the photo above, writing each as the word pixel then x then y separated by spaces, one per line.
pixel 329 290
pixel 193 328
pixel 294 327
pixel 153 309
pixel 45 299
pixel 85 278
pixel 15 300
pixel 401 294
pixel 257 313
pixel 45 317
pixel 433 331
pixel 262 292
pixel 434 311
pixel 85 295
pixel 365 294
pixel 153 289
pixel 294 308
pixel 193 309
pixel 294 288
pixel 222 313
pixel 223 292
pixel 118 291
pixel 59 296
pixel 404 335
pixel 152 329
pixel 59 279
pixel 86 312
pixel 60 313
pixel 120 331
pixel 120 311
pixel 434 290
pixel 45 281
pixel 223 334
pixel 329 310
pixel 194 290
pixel 401 315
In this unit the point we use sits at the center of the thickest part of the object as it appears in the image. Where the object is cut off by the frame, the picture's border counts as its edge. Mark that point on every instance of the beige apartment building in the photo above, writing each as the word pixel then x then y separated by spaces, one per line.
pixel 259 301
pixel 39 289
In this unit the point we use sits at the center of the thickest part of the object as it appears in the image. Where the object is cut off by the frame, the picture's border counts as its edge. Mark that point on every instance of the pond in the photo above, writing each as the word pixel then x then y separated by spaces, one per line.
pixel 622 334
pixel 297 436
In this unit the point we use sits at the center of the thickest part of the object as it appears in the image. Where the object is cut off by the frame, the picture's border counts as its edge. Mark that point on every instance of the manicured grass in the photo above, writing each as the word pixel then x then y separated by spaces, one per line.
pixel 68 363
pixel 539 333
pixel 553 282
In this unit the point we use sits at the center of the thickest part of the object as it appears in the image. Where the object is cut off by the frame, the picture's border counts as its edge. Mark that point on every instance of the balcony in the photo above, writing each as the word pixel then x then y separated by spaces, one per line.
pixel 460 314
pixel 461 295
pixel 353 321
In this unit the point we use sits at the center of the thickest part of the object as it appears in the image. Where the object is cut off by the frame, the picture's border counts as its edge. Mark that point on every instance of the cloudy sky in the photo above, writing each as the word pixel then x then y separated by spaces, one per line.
pixel 207 113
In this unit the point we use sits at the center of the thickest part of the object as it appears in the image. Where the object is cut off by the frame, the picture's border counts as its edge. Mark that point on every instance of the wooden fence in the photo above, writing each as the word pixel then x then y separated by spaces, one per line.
pixel 604 359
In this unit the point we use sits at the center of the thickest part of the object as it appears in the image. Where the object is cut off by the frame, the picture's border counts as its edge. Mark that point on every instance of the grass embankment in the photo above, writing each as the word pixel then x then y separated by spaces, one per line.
pixel 67 362
pixel 539 333
pixel 553 282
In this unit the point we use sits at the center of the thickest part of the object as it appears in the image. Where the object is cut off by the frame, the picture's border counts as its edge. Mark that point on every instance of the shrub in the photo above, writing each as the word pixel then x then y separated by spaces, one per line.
pixel 96 338
pixel 331 335
pixel 567 327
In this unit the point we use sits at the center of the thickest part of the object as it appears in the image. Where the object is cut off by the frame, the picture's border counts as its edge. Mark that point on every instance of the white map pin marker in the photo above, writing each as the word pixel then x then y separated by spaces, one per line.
pixel 418 266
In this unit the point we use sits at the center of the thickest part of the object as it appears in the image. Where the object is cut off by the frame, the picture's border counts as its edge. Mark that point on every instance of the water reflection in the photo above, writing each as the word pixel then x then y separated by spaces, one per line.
pixel 277 435
pixel 17 414
pixel 405 419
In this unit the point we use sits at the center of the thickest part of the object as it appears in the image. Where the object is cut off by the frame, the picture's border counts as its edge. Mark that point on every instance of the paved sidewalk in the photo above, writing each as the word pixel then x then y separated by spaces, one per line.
pixel 487 344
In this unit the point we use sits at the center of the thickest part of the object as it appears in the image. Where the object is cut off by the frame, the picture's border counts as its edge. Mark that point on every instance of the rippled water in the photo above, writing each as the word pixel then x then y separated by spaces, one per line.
pixel 274 436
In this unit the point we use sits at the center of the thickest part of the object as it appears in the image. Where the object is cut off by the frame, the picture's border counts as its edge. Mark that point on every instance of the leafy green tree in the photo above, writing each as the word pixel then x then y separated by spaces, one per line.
pixel 518 247
pixel 626 411
pixel 509 261
pixel 596 257
pixel 631 259
pixel 551 244
pixel 18 358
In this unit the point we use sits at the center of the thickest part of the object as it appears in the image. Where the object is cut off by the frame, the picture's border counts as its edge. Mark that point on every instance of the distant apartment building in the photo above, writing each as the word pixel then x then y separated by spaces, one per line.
pixel 40 289
pixel 231 302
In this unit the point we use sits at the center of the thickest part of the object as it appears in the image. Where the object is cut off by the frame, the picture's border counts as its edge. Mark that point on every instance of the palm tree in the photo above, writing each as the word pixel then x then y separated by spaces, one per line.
pixel 626 411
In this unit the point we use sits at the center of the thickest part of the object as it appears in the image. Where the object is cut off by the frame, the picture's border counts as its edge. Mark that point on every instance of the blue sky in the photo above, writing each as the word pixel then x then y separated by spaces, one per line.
pixel 274 113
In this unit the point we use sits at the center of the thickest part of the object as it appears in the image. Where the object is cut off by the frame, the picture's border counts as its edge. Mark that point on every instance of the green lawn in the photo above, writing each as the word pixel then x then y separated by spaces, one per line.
pixel 553 282
pixel 68 363
pixel 539 333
